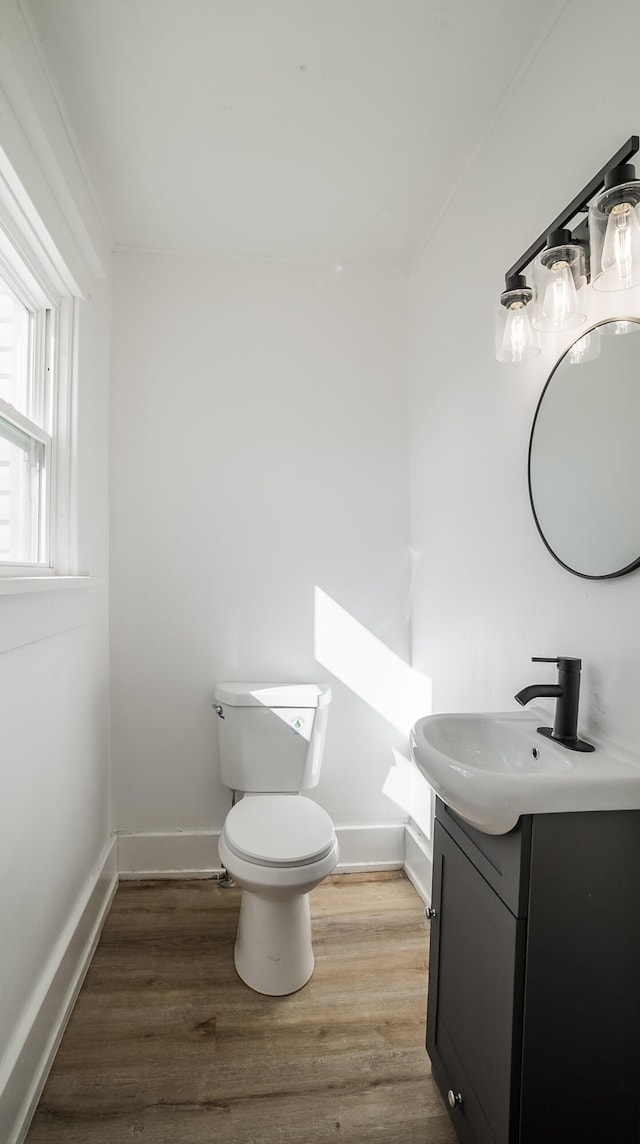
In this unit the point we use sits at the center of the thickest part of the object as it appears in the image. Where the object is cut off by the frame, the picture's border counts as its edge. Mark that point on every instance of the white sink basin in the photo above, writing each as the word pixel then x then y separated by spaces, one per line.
pixel 490 769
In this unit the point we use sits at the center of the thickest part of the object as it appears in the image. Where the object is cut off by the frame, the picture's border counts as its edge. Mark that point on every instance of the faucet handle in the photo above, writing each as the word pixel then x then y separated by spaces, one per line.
pixel 564 662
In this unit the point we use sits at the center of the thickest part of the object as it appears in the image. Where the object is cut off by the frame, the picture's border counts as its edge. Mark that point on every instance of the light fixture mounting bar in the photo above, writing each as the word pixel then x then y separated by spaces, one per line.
pixel 578 204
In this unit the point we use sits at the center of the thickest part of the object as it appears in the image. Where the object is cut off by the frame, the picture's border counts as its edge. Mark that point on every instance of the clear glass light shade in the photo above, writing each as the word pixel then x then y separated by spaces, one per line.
pixel 558 278
pixel 515 337
pixel 586 348
pixel 614 231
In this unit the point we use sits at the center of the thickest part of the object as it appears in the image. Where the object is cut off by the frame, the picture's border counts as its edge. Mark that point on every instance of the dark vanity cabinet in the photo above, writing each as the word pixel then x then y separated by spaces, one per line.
pixel 533 1021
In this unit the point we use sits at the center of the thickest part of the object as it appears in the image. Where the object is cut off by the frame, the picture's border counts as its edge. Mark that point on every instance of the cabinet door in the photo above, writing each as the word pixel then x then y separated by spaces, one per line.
pixel 474 1017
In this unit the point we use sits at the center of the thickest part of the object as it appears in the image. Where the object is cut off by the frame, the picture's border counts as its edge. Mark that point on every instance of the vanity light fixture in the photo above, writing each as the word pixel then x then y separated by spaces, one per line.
pixel 558 274
pixel 615 231
pixel 515 339
pixel 604 250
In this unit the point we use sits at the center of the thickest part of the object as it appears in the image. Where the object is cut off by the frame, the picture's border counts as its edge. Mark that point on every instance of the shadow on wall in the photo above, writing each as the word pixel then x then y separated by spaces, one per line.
pixel 387 684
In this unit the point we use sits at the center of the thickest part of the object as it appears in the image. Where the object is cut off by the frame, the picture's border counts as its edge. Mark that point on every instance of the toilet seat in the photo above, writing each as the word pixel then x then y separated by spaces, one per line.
pixel 279 830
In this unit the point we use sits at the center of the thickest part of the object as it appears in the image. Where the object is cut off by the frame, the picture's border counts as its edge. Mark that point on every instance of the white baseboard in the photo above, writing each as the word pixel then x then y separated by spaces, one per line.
pixel 172 854
pixel 194 854
pixel 378 847
pixel 418 864
pixel 36 1040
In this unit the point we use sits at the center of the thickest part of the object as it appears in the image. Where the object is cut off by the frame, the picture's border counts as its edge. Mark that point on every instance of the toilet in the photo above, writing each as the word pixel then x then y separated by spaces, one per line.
pixel 275 843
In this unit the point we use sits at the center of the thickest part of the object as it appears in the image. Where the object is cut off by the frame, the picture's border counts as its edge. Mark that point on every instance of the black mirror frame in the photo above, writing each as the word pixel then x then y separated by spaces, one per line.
pixel 574 572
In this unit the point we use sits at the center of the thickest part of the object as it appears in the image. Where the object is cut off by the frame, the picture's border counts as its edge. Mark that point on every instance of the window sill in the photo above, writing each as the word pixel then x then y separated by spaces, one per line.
pixel 25 585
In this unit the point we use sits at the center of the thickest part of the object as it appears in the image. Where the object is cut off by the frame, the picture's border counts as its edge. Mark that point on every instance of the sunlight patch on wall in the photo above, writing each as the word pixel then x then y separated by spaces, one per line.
pixel 368 667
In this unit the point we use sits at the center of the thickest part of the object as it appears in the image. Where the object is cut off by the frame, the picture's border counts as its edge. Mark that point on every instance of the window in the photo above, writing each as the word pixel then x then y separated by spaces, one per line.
pixel 39 306
pixel 25 437
pixel 36 337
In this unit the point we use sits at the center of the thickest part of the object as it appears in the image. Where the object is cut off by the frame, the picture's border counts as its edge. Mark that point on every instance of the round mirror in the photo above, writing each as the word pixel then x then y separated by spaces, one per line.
pixel 584 458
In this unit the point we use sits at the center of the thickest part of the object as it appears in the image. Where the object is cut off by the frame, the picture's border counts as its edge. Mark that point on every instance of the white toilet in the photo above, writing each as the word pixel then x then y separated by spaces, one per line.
pixel 276 844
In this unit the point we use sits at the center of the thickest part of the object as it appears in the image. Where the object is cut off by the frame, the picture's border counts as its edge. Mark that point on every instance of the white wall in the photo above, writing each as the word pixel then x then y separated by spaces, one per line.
pixel 258 452
pixel 487 594
pixel 53 644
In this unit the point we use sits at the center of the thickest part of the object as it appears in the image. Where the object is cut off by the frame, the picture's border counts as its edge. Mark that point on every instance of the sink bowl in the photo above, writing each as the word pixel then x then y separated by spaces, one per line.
pixel 491 769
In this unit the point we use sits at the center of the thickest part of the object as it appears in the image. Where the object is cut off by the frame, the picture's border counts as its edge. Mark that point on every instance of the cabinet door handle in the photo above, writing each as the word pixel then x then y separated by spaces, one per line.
pixel 454 1098
pixel 431 912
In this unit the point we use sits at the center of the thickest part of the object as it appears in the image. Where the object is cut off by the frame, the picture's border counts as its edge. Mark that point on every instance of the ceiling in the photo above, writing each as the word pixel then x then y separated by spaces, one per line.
pixel 316 130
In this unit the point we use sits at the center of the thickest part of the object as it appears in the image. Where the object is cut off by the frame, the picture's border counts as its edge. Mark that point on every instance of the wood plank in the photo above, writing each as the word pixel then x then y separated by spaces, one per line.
pixel 166 1044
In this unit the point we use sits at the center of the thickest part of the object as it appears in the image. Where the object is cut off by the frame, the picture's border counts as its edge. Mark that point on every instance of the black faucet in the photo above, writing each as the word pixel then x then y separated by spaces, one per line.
pixel 567 693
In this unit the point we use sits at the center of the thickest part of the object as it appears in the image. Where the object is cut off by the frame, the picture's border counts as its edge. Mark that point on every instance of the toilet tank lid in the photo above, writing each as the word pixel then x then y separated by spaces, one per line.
pixel 273 694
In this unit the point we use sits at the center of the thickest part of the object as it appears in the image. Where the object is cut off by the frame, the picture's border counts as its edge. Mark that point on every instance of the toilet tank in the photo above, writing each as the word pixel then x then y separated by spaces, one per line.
pixel 271 735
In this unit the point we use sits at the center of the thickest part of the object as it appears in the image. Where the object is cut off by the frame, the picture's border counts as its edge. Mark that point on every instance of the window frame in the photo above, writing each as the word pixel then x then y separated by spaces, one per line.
pixel 23 427
pixel 51 375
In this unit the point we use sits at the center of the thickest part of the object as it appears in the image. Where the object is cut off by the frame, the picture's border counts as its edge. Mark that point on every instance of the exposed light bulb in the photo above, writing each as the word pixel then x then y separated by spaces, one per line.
pixel 557 273
pixel 621 249
pixel 518 334
pixel 560 298
pixel 515 341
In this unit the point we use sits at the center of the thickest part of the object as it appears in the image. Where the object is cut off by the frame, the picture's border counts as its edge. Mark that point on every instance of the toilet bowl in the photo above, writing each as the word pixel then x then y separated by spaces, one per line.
pixel 277 848
pixel 276 843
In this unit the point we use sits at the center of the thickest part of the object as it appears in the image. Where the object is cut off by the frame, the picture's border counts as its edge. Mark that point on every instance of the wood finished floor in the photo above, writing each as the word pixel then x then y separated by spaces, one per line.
pixel 167 1046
